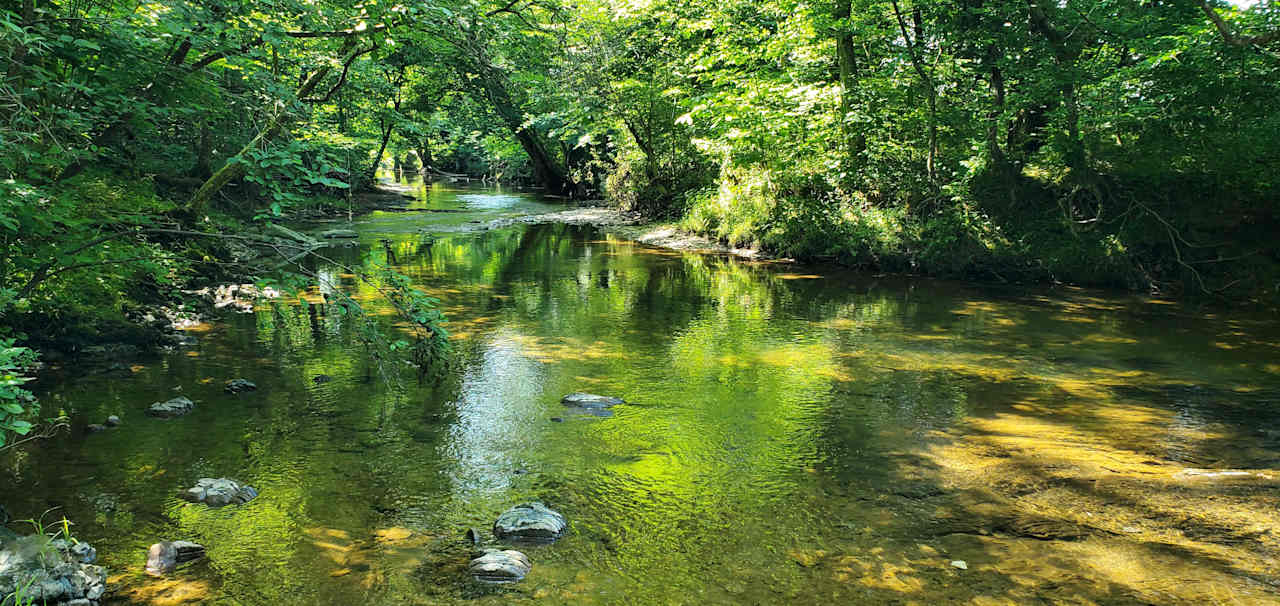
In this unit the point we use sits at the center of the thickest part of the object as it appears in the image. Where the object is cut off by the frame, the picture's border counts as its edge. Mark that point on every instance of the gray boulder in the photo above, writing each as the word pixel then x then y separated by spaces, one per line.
pixel 50 572
pixel 590 400
pixel 165 557
pixel 531 522
pixel 337 234
pixel 176 407
pixel 239 385
pixel 219 492
pixel 500 566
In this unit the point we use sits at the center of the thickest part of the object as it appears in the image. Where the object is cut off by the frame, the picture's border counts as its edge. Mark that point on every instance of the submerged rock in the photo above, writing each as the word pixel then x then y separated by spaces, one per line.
pixel 533 522
pixel 175 407
pixel 179 339
pixel 219 492
pixel 318 379
pixel 590 400
pixel 50 572
pixel 95 428
pixel 239 385
pixel 336 234
pixel 113 421
pixel 500 566
pixel 165 557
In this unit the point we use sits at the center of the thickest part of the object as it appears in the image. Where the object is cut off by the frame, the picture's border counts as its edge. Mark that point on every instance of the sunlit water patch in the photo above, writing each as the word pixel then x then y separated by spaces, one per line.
pixel 791 435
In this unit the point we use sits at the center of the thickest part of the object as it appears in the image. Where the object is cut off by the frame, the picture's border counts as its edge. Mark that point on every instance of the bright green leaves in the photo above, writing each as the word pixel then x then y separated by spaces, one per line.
pixel 286 174
pixel 16 403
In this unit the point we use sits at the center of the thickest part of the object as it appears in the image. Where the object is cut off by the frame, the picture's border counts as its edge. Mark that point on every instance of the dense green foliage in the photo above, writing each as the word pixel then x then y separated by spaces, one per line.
pixel 1110 143
pixel 1116 143
pixel 16 403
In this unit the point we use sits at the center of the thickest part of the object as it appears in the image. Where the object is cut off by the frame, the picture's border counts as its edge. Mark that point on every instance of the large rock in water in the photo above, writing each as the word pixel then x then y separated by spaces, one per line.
pixel 176 407
pixel 500 566
pixel 532 522
pixel 165 557
pixel 50 572
pixel 219 492
pixel 239 385
pixel 590 400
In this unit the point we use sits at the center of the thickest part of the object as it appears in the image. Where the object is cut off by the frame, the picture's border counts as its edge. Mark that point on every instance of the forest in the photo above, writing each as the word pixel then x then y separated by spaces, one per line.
pixel 1107 143
pixel 957 301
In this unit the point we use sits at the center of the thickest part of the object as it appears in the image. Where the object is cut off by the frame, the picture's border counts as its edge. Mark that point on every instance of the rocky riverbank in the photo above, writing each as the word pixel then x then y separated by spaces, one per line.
pixel 632 227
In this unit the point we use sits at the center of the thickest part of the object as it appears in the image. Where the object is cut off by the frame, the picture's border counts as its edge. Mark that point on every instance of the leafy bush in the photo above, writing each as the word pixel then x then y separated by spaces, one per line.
pixel 285 174
pixel 17 406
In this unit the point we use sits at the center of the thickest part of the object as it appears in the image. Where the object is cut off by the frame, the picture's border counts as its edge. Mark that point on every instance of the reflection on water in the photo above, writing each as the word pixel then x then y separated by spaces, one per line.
pixel 799 436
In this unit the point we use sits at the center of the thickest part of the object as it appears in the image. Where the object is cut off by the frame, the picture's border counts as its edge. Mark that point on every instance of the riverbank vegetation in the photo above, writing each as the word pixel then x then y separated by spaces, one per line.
pixel 1105 143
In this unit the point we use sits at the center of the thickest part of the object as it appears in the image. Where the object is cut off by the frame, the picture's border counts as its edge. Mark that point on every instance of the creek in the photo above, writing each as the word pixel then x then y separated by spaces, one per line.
pixel 802 435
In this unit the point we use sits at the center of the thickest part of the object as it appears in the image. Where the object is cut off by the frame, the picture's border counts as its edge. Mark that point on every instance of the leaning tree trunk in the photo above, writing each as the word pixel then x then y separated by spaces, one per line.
pixel 234 169
pixel 926 79
pixel 371 174
pixel 546 170
pixel 424 155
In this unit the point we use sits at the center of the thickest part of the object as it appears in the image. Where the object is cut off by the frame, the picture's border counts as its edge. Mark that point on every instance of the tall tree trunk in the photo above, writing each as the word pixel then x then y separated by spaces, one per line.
pixel 917 62
pixel 371 175
pixel 204 153
pixel 424 154
pixel 855 142
pixel 546 170
pixel 1065 55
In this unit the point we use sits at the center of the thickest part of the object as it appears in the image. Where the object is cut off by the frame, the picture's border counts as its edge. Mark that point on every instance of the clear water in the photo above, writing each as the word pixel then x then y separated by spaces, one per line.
pixel 793 435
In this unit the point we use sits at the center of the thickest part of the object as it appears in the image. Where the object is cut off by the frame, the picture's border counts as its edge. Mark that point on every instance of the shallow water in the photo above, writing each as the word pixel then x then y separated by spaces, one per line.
pixel 793 435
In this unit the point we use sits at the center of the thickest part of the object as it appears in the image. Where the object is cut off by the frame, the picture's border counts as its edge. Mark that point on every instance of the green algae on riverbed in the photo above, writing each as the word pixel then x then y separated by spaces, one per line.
pixel 792 435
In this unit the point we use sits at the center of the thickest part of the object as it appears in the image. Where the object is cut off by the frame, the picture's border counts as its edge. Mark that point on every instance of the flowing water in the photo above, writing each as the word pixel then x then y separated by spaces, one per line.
pixel 792 435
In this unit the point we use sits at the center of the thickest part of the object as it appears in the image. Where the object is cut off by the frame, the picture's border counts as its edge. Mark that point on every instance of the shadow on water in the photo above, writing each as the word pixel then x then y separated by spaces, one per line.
pixel 792 436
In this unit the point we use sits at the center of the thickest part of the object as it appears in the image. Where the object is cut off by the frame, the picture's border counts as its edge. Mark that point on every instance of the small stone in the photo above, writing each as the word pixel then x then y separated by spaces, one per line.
pixel 334 234
pixel 318 379
pixel 95 428
pixel 83 553
pixel 219 492
pixel 590 400
pixel 500 566
pixel 391 535
pixel 961 564
pixel 175 407
pixel 239 385
pixel 557 420
pixel 472 536
pixel 533 522
pixel 113 421
pixel 165 557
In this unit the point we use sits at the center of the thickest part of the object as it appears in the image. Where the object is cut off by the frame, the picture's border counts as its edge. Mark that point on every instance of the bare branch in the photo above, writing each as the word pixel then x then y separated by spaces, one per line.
pixel 1230 37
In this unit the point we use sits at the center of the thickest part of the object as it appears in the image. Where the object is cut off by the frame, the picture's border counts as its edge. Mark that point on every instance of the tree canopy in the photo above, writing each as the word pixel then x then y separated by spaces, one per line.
pixel 1114 143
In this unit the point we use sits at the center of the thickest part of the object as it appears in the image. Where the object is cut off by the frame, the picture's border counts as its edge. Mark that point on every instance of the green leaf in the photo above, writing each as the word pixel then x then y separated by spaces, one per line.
pixel 21 428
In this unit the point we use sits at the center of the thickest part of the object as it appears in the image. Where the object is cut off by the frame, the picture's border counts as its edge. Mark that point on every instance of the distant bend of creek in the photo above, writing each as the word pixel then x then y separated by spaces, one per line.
pixel 792 435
